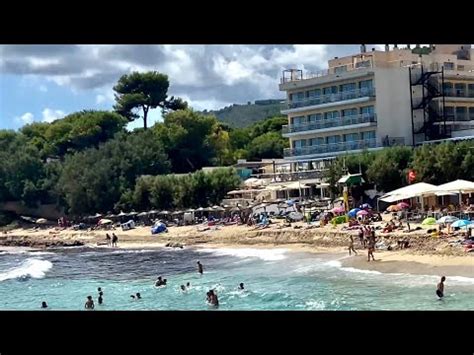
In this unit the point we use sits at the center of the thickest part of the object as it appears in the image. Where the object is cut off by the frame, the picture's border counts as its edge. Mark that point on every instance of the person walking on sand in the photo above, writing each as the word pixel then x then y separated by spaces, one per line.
pixel 108 239
pixel 200 268
pixel 440 288
pixel 89 303
pixel 114 240
pixel 351 246
pixel 361 237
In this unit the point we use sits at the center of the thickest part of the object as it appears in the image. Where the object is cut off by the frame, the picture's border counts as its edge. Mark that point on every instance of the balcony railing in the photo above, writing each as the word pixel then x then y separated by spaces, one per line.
pixel 340 96
pixel 343 146
pixel 329 123
pixel 324 72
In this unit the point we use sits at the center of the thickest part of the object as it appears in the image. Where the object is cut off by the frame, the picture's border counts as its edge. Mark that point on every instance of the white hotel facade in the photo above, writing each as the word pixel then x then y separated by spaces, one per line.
pixel 376 98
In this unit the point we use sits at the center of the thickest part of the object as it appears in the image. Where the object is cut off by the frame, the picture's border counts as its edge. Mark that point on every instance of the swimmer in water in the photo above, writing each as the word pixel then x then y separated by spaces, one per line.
pixel 139 297
pixel 212 298
pixel 188 284
pixel 440 288
pixel 44 305
pixel 159 281
pixel 200 268
pixel 164 282
pixel 89 303
pixel 183 288
pixel 241 286
pixel 101 299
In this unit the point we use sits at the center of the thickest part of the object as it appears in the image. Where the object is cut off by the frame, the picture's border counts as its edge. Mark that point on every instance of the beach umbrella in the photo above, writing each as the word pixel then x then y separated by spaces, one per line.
pixel 403 205
pixel 393 208
pixel 352 213
pixel 152 212
pixel 447 219
pixel 121 214
pixel 365 206
pixel 177 212
pixel 110 216
pixel 41 221
pixel 141 214
pixel 200 209
pixel 190 210
pixel 461 223
pixel 428 221
pixel 105 221
pixel 133 213
pixel 163 212
pixel 362 213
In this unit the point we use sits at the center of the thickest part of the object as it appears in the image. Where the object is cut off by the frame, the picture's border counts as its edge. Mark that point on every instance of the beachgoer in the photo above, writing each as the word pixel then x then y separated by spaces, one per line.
pixel 89 303
pixel 159 282
pixel 107 238
pixel 440 288
pixel 241 286
pixel 188 284
pixel 371 249
pixel 132 296
pixel 212 298
pixel 183 288
pixel 100 297
pixel 114 240
pixel 351 245
pixel 139 296
pixel 164 282
pixel 361 237
pixel 44 305
pixel 200 268
pixel 408 225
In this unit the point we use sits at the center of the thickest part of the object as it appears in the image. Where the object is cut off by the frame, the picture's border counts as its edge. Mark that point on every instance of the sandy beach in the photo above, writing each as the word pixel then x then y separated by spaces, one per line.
pixel 426 255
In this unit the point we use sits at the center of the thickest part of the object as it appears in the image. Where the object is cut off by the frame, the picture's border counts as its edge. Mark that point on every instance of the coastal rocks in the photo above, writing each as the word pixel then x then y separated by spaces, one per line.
pixel 174 245
pixel 45 243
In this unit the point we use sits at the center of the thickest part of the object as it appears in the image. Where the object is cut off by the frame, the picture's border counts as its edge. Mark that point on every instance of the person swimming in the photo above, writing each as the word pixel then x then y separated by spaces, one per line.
pixel 188 284
pixel 241 286
pixel 200 268
pixel 159 281
pixel 212 298
pixel 139 297
pixel 44 305
pixel 440 288
pixel 101 299
pixel 183 288
pixel 89 303
pixel 164 282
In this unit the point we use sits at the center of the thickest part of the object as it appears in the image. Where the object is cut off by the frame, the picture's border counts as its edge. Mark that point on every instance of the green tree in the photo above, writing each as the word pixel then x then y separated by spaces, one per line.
pixel 268 145
pixel 144 91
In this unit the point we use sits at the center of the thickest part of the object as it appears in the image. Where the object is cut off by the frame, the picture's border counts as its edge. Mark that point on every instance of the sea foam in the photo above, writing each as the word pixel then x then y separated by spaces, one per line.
pixel 35 268
pixel 263 254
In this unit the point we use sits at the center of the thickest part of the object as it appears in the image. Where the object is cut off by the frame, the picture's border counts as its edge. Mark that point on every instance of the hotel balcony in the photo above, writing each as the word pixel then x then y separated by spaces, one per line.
pixel 323 101
pixel 342 147
pixel 326 125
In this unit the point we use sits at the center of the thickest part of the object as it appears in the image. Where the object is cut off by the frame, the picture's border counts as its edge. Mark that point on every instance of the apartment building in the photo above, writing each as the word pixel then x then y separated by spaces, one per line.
pixel 379 98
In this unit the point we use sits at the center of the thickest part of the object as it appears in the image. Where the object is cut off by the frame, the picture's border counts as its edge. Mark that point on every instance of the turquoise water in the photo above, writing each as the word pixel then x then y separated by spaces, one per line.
pixel 275 279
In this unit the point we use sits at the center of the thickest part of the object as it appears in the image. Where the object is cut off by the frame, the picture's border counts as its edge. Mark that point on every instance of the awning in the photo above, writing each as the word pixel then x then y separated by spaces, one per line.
pixel 351 179
pixel 456 186
pixel 418 189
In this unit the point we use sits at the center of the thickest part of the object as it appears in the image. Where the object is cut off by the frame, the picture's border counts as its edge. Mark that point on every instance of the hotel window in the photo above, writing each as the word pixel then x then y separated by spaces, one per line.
pixel 448 66
pixel 316 117
pixel 333 139
pixel 298 121
pixel 299 143
pixel 366 86
pixel 347 87
pixel 331 115
pixel 470 90
pixel 340 69
pixel 461 113
pixel 368 135
pixel 363 64
pixel 314 93
pixel 316 141
pixel 367 111
pixel 471 113
pixel 448 89
pixel 449 113
pixel 460 89
pixel 349 112
pixel 297 96
pixel 351 137
pixel 330 90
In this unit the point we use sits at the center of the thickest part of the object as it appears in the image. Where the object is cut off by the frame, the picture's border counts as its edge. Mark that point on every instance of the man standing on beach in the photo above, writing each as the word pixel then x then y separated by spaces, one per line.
pixel 361 237
pixel 351 245
pixel 114 240
pixel 200 268
pixel 440 288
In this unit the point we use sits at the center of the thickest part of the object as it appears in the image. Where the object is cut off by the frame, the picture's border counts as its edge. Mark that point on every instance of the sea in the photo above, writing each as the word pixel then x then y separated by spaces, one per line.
pixel 274 279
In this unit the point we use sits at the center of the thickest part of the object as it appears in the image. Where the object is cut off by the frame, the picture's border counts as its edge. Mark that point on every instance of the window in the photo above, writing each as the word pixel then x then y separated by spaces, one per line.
pixel 314 93
pixel 331 115
pixel 461 113
pixel 363 64
pixel 367 111
pixel 298 120
pixel 341 69
pixel 333 139
pixel 330 90
pixel 366 87
pixel 448 89
pixel 349 112
pixel 316 141
pixel 347 87
pixel 316 117
pixel 471 113
pixel 299 143
pixel 368 135
pixel 449 113
pixel 351 137
pixel 460 89
pixel 470 90
pixel 297 96
pixel 448 66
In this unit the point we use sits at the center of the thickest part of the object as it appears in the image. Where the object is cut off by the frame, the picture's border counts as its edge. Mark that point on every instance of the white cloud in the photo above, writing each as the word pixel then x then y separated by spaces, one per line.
pixel 99 99
pixel 50 115
pixel 26 118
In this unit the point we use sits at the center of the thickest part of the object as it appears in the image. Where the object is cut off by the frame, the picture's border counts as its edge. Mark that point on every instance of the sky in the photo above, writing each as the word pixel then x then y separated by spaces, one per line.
pixel 47 82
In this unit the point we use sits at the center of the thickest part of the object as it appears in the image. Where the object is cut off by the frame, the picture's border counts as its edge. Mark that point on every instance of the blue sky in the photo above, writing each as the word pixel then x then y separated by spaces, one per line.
pixel 46 82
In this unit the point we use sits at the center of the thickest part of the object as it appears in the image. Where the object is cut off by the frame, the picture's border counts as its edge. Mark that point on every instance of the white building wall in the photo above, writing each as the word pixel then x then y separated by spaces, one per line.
pixel 393 106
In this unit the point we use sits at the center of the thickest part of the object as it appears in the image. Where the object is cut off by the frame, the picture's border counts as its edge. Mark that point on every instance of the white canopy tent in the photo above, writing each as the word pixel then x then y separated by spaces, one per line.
pixel 415 190
pixel 456 187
